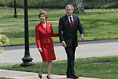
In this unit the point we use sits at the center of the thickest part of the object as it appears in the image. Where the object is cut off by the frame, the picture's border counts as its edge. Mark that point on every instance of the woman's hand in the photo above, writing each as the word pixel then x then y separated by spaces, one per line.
pixel 40 50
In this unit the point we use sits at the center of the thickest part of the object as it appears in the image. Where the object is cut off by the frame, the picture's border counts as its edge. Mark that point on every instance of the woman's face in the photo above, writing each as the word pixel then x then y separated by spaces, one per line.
pixel 42 18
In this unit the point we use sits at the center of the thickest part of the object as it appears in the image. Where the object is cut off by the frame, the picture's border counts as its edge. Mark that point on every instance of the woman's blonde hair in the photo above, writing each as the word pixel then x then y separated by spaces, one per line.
pixel 43 13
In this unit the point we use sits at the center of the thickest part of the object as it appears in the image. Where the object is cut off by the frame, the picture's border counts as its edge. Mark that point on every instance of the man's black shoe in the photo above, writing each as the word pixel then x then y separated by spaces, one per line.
pixel 73 77
pixel 69 76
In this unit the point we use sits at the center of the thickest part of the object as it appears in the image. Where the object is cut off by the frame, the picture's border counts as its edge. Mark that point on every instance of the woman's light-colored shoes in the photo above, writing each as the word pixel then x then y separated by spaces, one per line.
pixel 40 76
pixel 48 77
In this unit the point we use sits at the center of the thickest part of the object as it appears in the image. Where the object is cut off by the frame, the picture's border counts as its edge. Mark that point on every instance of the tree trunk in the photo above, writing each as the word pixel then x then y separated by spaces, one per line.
pixel 78 6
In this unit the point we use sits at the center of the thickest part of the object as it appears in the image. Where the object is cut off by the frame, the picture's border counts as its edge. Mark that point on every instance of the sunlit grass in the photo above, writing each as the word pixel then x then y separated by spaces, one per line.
pixel 96 67
pixel 97 23
pixel 4 78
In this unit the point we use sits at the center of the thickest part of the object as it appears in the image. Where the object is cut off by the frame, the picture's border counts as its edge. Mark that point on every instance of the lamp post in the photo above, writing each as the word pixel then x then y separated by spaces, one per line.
pixel 27 59
pixel 15 12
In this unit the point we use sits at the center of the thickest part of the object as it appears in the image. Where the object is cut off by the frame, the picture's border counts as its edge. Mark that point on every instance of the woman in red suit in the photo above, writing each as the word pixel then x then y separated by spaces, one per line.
pixel 43 34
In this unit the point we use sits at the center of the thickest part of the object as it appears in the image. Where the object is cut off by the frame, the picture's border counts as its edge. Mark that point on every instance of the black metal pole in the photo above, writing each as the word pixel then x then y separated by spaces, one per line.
pixel 27 59
pixel 15 12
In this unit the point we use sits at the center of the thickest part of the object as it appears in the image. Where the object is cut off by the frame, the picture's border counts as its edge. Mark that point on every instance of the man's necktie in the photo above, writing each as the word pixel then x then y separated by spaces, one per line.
pixel 71 22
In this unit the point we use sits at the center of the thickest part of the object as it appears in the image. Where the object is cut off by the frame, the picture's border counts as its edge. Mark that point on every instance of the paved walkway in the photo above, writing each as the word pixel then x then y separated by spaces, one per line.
pixel 14 54
pixel 29 75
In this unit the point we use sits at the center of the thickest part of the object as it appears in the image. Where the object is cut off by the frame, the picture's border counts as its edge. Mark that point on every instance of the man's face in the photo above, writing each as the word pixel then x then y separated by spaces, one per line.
pixel 69 10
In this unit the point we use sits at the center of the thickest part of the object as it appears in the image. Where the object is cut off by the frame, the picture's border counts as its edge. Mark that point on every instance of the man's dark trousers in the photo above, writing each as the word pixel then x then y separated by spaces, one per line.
pixel 70 60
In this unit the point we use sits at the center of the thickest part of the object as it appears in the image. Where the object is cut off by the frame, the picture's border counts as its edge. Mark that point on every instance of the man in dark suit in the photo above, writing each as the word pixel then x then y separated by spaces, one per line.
pixel 68 26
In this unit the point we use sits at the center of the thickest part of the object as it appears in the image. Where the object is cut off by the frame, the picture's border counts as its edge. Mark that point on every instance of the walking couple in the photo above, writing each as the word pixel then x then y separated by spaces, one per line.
pixel 68 26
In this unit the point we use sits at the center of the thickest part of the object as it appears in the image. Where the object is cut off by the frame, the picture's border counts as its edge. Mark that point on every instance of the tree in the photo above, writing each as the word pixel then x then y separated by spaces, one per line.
pixel 78 6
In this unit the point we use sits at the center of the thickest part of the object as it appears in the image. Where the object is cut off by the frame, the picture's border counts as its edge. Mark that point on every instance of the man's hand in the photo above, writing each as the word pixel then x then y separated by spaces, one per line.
pixel 82 36
pixel 40 50
pixel 63 44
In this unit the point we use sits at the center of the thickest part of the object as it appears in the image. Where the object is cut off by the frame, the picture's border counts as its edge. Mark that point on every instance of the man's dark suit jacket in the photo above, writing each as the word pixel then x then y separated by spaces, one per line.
pixel 66 33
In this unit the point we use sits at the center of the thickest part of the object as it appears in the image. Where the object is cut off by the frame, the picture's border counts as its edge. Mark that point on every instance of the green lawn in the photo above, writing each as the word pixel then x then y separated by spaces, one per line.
pixel 4 78
pixel 96 67
pixel 97 23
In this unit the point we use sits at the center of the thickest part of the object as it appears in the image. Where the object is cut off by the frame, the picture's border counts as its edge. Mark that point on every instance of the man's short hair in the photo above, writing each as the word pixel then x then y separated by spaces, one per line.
pixel 70 6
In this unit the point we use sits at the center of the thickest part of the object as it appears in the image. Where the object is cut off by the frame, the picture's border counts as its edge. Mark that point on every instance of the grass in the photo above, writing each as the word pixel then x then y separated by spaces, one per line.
pixel 4 78
pixel 1 50
pixel 96 67
pixel 97 23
